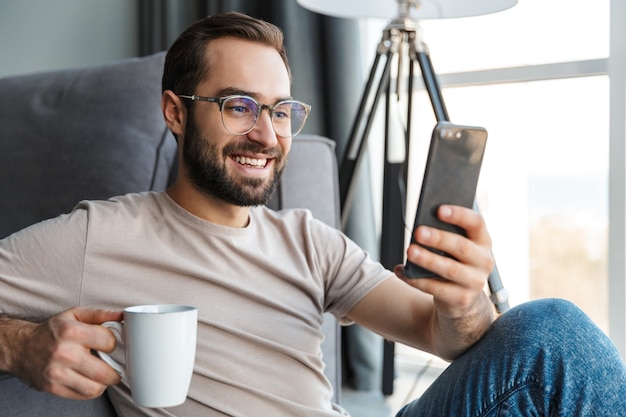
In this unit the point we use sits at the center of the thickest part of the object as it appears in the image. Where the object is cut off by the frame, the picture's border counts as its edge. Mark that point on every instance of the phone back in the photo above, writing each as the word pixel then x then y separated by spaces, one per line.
pixel 450 177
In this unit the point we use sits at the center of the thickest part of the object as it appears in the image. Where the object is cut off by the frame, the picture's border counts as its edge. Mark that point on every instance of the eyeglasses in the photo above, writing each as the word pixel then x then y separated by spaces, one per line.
pixel 241 113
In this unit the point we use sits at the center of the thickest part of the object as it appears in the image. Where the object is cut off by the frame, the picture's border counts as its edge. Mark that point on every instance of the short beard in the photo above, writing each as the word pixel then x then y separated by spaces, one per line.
pixel 207 169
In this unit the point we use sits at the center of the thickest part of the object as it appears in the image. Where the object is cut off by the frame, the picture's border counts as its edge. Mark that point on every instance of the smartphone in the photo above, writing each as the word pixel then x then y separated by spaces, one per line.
pixel 450 177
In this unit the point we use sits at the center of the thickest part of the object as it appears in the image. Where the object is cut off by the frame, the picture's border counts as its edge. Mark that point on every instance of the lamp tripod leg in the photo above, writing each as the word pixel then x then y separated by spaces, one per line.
pixel 355 148
pixel 392 246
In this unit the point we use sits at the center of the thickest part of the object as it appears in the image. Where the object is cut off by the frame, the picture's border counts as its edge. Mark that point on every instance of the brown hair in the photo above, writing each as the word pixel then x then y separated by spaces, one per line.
pixel 186 60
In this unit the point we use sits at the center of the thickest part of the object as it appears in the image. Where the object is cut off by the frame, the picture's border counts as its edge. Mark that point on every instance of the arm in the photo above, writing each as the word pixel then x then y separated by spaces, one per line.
pixel 40 274
pixel 444 317
pixel 55 355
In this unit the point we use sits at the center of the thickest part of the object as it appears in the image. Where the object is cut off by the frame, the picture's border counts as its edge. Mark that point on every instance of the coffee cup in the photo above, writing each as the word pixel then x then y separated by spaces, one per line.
pixel 159 343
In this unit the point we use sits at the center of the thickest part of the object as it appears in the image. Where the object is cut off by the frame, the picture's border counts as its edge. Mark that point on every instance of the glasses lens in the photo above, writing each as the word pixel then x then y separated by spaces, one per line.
pixel 288 118
pixel 239 114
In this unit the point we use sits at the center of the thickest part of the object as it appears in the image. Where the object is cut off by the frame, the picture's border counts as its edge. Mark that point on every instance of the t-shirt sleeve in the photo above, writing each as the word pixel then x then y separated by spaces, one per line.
pixel 41 267
pixel 349 272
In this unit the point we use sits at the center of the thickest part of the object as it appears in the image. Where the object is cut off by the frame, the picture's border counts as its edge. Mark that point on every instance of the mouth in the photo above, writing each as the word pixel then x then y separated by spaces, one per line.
pixel 250 162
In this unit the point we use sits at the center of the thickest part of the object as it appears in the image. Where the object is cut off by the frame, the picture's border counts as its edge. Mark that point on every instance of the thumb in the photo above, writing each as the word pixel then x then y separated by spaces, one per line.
pixel 95 316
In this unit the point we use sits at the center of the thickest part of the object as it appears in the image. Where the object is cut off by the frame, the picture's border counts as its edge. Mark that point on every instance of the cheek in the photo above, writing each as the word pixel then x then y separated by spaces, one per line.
pixel 285 144
pixel 208 120
pixel 206 140
pixel 213 134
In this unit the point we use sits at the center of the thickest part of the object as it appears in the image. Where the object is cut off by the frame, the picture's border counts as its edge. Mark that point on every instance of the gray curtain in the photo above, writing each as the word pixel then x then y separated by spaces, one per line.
pixel 326 66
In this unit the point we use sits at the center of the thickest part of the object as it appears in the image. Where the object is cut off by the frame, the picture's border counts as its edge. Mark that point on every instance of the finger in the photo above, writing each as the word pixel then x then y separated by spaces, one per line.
pixel 74 372
pixel 451 299
pixel 475 248
pixel 91 336
pixel 469 267
pixel 467 219
pixel 95 316
pixel 95 369
pixel 88 330
pixel 75 385
pixel 461 249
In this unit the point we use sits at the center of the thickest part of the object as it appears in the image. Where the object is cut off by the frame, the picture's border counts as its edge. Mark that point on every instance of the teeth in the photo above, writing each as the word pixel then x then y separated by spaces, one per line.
pixel 244 160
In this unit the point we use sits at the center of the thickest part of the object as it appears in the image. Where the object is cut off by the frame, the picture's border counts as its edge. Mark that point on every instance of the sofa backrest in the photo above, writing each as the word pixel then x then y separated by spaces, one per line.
pixel 92 133
pixel 87 133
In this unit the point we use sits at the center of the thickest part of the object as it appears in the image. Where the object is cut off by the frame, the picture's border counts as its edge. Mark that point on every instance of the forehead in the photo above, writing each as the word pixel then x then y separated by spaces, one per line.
pixel 246 66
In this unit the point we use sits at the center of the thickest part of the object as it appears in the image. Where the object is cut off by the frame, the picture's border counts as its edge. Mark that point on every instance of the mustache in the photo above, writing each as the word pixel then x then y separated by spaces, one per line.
pixel 252 147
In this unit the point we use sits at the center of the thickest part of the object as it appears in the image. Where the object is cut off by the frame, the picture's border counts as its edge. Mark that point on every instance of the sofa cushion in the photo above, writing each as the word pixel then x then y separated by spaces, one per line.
pixel 61 125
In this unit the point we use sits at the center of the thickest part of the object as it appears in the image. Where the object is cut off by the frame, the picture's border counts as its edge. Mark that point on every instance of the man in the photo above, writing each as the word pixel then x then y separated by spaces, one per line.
pixel 261 280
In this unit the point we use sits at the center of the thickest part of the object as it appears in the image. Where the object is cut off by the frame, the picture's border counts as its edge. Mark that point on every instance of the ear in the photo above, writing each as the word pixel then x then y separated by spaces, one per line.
pixel 174 112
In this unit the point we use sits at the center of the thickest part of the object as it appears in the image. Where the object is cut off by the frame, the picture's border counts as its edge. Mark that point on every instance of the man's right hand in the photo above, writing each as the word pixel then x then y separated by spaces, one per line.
pixel 55 356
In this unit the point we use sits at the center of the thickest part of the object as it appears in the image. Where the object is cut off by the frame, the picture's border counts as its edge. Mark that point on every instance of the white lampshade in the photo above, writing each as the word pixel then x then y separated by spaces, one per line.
pixel 389 9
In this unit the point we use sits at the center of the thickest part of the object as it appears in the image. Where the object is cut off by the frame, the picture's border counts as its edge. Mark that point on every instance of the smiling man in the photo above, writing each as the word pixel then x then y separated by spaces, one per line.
pixel 240 163
pixel 262 280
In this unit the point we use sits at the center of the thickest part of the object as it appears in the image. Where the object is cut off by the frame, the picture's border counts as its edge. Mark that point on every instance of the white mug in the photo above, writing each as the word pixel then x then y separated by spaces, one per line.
pixel 159 342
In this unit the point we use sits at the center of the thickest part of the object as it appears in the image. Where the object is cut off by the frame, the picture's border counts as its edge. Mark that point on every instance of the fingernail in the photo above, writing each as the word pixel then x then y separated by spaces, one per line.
pixel 445 211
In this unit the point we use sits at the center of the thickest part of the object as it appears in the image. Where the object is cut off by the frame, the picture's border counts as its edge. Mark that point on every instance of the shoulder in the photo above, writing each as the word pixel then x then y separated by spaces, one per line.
pixel 133 203
pixel 292 214
pixel 301 228
pixel 294 218
pixel 127 214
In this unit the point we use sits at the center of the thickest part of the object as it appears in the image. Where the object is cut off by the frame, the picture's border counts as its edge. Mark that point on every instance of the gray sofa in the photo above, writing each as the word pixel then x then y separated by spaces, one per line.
pixel 92 133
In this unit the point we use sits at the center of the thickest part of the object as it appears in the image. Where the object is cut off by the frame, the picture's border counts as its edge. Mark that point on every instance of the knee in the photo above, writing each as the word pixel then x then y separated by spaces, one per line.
pixel 544 312
pixel 545 319
pixel 548 310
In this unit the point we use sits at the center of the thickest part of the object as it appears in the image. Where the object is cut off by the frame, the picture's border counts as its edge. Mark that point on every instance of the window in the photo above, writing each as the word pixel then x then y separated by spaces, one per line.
pixel 543 94
pixel 532 32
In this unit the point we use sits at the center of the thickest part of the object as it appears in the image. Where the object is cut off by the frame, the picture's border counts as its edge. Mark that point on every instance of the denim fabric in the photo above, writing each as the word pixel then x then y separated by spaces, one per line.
pixel 543 358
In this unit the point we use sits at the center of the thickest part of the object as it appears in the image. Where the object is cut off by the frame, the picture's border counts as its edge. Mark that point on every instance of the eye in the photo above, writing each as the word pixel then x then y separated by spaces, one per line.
pixel 281 115
pixel 240 107
pixel 282 112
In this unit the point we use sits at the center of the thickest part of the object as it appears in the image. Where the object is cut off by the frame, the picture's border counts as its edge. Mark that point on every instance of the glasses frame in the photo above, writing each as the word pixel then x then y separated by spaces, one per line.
pixel 221 100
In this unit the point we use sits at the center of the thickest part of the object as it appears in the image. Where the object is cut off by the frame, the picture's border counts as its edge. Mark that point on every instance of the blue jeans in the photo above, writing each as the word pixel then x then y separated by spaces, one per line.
pixel 543 358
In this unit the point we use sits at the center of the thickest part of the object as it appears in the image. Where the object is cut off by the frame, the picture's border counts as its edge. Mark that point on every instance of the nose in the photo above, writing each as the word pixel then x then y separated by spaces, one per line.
pixel 263 132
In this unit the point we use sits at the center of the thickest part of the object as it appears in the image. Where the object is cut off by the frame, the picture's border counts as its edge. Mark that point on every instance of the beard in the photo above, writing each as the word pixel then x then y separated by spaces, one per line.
pixel 206 164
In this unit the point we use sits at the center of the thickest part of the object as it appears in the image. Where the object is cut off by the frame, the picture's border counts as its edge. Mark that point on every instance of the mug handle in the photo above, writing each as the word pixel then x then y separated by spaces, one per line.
pixel 116 327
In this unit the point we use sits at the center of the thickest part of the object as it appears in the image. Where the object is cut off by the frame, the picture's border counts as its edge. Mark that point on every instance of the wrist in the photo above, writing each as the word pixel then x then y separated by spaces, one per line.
pixel 13 334
pixel 457 334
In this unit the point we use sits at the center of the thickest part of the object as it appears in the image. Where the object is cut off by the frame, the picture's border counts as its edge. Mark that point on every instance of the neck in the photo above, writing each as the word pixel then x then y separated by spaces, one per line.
pixel 208 207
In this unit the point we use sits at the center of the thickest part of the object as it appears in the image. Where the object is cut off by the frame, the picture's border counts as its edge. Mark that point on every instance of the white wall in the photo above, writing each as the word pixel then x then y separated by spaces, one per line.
pixel 40 35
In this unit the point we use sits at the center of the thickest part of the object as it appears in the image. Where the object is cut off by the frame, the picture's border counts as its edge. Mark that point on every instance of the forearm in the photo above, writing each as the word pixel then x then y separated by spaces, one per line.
pixel 55 355
pixel 451 336
pixel 13 333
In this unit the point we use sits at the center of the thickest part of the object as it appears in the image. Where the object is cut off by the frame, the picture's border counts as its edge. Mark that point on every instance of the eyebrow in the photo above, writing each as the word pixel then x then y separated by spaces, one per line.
pixel 231 91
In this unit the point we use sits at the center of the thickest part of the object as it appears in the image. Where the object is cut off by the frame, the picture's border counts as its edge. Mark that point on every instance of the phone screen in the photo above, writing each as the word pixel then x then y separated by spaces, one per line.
pixel 450 177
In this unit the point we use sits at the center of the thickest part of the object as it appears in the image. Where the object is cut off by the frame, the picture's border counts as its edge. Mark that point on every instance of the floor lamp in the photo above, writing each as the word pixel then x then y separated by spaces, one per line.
pixel 401 45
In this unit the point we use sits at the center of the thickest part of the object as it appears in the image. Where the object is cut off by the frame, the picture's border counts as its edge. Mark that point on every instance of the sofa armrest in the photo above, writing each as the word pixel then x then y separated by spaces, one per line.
pixel 14 394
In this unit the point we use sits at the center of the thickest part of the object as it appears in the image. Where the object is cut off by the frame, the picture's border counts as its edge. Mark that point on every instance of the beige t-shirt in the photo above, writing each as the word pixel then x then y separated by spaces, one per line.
pixel 261 292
